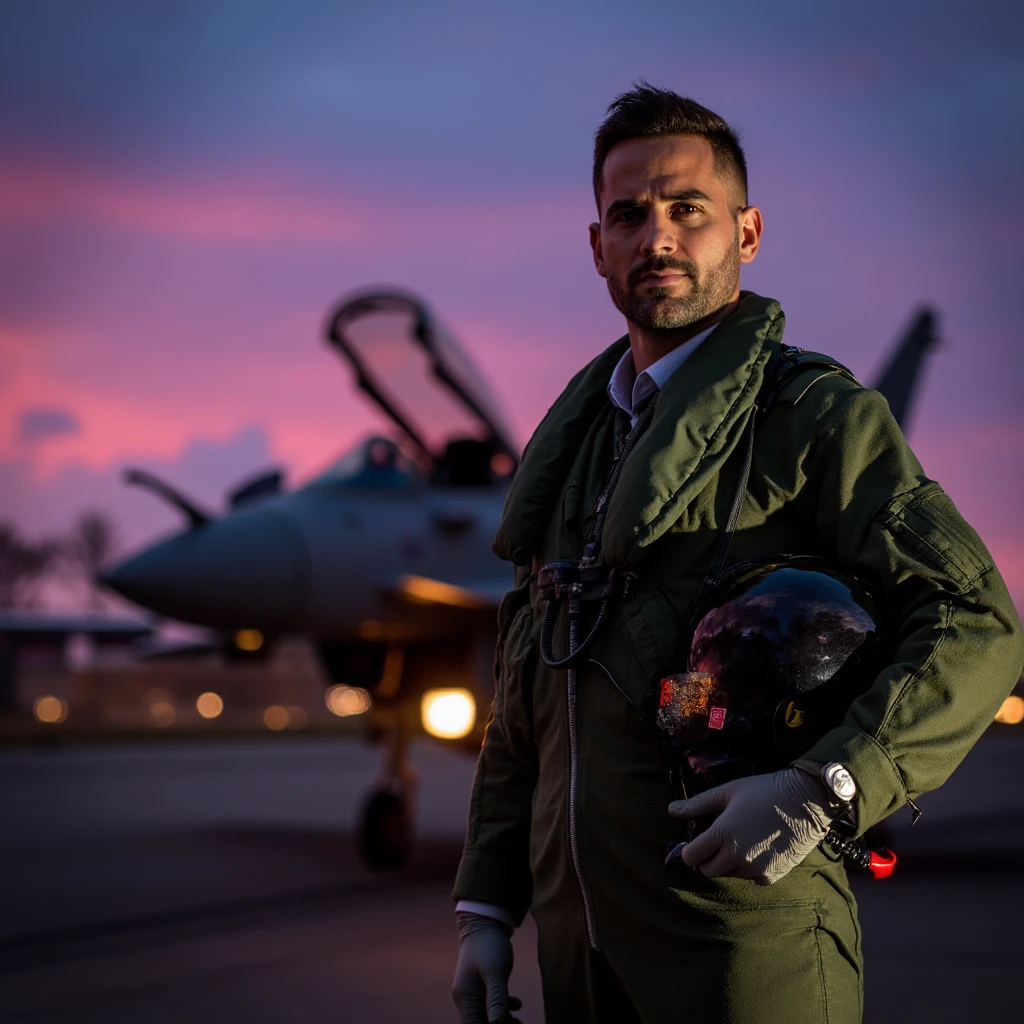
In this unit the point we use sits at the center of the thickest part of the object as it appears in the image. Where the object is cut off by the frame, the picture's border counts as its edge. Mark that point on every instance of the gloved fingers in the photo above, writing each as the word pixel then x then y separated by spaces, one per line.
pixel 747 869
pixel 706 845
pixel 471 1006
pixel 469 994
pixel 497 996
pixel 726 862
pixel 716 799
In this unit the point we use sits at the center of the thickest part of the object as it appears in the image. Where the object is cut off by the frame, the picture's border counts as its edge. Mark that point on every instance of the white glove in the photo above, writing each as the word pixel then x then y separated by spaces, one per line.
pixel 480 988
pixel 768 825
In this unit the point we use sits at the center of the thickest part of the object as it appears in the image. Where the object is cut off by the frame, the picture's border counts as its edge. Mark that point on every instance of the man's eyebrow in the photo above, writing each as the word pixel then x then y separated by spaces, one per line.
pixel 687 195
pixel 623 204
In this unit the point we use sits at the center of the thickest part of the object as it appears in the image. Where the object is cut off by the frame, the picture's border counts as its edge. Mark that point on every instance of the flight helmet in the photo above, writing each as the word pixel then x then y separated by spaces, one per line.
pixel 782 649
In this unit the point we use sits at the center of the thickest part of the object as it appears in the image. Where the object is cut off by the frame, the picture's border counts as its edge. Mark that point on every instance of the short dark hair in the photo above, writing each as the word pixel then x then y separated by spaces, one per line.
pixel 646 112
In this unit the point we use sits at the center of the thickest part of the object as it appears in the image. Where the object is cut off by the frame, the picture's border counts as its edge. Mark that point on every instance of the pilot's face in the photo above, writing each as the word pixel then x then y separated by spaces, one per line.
pixel 672 233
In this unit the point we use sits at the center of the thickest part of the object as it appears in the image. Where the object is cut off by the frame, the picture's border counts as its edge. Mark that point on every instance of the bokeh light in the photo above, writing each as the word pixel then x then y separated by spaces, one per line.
pixel 1012 711
pixel 162 712
pixel 209 704
pixel 276 717
pixel 248 639
pixel 50 710
pixel 448 714
pixel 345 701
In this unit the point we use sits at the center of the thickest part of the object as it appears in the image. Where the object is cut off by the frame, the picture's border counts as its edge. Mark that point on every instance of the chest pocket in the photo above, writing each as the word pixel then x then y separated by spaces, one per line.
pixel 652 630
pixel 513 690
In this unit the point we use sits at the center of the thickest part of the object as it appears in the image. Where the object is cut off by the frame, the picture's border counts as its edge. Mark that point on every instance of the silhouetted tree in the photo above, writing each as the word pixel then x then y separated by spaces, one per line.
pixel 23 566
pixel 91 543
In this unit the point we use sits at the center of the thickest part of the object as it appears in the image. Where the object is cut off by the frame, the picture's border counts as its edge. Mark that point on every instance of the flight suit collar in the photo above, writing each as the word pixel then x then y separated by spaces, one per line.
pixel 698 420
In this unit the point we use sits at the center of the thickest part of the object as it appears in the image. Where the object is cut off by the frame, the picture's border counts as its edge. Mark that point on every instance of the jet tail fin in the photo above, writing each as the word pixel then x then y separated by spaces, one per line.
pixel 898 381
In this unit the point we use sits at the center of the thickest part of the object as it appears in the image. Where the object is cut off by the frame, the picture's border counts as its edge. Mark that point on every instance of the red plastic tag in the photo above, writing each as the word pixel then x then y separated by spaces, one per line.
pixel 881 863
pixel 716 720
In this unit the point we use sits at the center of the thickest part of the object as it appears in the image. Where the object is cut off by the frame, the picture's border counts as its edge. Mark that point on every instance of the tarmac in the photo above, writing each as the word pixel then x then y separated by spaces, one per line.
pixel 202 880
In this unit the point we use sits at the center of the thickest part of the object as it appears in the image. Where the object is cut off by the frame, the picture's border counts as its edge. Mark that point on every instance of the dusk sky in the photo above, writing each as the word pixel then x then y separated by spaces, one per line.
pixel 187 186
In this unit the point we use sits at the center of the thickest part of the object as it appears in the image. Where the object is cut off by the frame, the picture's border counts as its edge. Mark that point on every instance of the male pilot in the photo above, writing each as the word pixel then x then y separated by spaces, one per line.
pixel 571 805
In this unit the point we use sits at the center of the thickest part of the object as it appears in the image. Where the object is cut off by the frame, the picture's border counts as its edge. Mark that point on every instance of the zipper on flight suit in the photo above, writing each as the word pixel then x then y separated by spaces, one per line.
pixel 623 441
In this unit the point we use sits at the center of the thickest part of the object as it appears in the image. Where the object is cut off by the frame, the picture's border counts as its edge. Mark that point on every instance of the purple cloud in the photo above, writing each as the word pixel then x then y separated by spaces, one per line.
pixel 40 424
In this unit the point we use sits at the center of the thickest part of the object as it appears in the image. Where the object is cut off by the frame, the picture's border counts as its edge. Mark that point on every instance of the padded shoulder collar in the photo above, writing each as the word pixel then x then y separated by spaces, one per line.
pixel 792 372
pixel 698 419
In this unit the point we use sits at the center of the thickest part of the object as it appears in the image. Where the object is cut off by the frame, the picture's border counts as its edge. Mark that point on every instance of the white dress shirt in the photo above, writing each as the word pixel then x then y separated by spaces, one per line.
pixel 628 390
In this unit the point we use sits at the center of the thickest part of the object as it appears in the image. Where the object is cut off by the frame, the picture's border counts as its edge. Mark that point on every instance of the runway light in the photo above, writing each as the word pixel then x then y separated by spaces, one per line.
pixel 1012 711
pixel 209 704
pixel 448 714
pixel 162 713
pixel 248 639
pixel 345 701
pixel 50 710
pixel 276 717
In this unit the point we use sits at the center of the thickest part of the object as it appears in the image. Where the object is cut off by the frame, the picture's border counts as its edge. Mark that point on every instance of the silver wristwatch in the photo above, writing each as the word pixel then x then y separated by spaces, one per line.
pixel 839 782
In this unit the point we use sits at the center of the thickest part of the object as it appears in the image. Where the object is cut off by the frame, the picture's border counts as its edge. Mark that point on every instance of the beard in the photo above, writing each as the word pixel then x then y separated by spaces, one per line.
pixel 658 309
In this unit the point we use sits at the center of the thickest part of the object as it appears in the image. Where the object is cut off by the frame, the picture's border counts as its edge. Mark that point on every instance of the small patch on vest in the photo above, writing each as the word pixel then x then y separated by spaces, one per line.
pixel 716 720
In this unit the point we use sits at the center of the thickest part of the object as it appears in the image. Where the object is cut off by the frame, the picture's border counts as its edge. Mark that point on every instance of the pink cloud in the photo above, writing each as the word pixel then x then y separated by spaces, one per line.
pixel 257 212
pixel 211 213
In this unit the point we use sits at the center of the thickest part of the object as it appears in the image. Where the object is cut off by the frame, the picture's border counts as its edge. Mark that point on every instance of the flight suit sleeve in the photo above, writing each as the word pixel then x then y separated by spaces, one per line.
pixel 495 865
pixel 958 641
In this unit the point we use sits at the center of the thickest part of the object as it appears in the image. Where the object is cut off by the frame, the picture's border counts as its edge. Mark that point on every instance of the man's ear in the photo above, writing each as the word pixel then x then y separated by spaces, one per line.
pixel 750 228
pixel 595 246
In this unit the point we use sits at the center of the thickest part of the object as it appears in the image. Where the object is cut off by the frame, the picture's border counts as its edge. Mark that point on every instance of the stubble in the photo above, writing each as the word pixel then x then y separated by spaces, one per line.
pixel 657 309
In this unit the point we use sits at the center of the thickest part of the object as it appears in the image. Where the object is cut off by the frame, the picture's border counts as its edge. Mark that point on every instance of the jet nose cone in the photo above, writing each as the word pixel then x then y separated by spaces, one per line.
pixel 240 571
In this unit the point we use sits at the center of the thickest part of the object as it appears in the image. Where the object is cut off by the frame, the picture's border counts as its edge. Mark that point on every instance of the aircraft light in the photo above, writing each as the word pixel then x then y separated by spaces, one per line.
pixel 276 717
pixel 1012 711
pixel 424 590
pixel 248 639
pixel 344 701
pixel 448 714
pixel 50 710
pixel 209 704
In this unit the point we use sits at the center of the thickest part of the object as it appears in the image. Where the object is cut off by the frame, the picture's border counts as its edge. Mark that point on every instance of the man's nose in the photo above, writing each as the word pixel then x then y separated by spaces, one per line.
pixel 659 239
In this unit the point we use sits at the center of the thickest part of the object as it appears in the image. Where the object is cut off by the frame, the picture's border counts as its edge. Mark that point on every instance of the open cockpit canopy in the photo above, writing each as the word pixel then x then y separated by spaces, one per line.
pixel 375 463
pixel 411 365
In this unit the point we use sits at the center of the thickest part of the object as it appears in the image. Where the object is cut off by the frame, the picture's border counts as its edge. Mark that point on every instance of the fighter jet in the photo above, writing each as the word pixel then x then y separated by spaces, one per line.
pixel 385 558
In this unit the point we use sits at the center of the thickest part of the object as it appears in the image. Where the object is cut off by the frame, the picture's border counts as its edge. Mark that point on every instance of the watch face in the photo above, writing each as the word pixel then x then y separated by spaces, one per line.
pixel 840 781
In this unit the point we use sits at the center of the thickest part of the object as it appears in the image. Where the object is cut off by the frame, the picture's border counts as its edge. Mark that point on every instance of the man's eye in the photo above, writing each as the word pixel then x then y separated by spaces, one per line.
pixel 629 216
pixel 687 209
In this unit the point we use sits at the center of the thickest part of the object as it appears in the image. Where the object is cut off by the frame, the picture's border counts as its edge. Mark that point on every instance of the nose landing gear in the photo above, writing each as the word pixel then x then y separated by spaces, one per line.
pixel 386 828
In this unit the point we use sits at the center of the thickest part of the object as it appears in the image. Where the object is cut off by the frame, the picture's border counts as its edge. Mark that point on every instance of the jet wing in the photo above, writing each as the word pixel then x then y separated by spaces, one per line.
pixel 410 364
pixel 474 595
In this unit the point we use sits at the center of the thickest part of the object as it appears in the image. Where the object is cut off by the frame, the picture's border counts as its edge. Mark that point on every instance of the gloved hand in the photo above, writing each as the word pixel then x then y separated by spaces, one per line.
pixel 768 825
pixel 480 989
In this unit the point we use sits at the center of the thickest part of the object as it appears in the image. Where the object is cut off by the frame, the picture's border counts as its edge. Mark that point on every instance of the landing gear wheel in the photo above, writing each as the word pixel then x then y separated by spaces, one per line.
pixel 385 836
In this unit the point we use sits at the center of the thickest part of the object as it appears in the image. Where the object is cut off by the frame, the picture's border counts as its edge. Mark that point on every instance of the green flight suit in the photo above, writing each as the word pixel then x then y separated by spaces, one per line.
pixel 832 476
